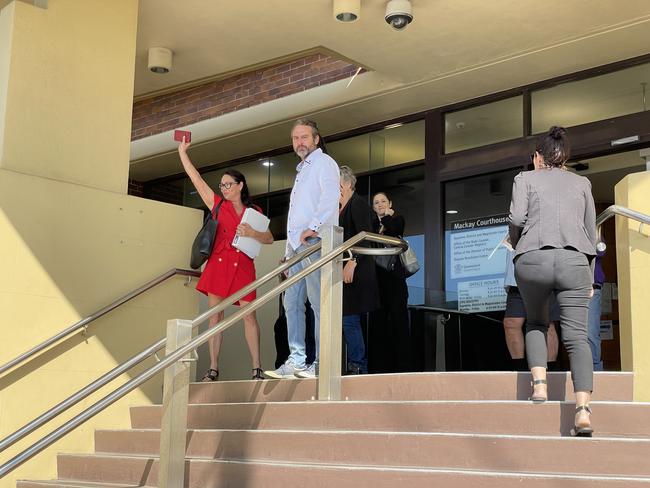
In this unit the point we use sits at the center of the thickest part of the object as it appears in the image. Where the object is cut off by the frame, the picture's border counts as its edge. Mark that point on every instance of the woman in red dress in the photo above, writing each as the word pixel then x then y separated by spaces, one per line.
pixel 227 269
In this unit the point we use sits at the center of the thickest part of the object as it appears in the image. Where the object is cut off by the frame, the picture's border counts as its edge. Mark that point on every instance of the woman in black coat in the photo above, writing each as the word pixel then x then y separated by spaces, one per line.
pixel 389 342
pixel 360 294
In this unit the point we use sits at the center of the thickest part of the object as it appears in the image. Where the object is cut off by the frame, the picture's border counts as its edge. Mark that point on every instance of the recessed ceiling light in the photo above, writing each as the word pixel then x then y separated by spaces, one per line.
pixel 346 10
pixel 267 163
pixel 451 212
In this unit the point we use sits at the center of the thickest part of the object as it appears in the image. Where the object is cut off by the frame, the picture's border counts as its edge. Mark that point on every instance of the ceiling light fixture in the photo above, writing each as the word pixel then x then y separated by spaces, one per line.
pixel 394 126
pixel 267 163
pixel 452 212
pixel 160 60
pixel 346 10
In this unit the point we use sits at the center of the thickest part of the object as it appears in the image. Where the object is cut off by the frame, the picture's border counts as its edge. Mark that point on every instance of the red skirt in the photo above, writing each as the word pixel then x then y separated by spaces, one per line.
pixel 227 271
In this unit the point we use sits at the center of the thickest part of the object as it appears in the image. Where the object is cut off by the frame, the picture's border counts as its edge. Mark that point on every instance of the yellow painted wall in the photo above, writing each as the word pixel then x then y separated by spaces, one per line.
pixel 633 263
pixel 71 240
pixel 6 33
pixel 69 91
pixel 66 251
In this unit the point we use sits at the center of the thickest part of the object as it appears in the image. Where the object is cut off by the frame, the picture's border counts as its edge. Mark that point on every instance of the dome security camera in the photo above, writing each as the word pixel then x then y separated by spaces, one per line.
pixel 399 14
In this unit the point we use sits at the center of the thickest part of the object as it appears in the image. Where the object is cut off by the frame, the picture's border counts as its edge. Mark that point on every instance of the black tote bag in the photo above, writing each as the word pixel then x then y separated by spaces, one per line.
pixel 204 240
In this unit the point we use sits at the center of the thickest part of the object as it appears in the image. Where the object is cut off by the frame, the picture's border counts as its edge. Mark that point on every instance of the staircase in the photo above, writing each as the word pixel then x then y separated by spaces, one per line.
pixel 416 430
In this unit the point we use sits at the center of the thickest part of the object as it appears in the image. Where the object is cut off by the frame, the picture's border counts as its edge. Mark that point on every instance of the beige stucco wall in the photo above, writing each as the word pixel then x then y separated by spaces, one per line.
pixel 66 251
pixel 68 90
pixel 633 262
pixel 71 240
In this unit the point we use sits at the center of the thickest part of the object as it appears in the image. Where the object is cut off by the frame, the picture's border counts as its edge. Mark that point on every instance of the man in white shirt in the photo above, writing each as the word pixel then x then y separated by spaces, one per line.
pixel 313 206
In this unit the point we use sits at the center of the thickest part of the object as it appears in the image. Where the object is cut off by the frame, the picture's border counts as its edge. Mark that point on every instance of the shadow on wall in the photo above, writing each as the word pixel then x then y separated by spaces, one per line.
pixel 69 251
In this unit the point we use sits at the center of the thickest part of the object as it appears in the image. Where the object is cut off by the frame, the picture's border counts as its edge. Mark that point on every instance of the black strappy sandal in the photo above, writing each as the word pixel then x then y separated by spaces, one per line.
pixel 210 375
pixel 586 431
pixel 537 398
pixel 258 374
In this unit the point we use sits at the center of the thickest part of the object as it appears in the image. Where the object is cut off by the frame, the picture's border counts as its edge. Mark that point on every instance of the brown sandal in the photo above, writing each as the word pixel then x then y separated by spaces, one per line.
pixel 538 398
pixel 210 375
pixel 258 374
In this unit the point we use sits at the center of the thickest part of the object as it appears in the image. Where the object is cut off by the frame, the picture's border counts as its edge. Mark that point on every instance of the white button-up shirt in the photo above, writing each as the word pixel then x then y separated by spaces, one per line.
pixel 314 198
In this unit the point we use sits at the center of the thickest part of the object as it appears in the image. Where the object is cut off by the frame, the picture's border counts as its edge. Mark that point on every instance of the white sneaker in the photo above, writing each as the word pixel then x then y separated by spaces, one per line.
pixel 287 370
pixel 310 372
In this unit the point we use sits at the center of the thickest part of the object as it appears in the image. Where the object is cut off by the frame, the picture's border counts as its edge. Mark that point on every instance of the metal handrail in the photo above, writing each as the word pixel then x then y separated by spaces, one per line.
pixel 172 357
pixel 149 351
pixel 610 212
pixel 83 323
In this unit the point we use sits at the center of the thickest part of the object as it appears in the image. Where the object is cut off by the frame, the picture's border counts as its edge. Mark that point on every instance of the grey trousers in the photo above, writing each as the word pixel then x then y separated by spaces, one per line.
pixel 567 274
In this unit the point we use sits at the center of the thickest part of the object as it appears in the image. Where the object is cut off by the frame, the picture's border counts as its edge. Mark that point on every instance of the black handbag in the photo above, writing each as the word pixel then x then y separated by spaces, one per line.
pixel 386 262
pixel 204 240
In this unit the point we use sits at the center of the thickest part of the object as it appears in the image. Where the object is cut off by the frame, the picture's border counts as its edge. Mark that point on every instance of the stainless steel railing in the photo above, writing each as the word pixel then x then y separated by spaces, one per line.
pixel 146 353
pixel 83 323
pixel 613 210
pixel 177 355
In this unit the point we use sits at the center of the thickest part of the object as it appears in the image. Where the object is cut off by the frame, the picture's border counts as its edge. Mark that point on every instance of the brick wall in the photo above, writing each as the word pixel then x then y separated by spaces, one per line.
pixel 164 192
pixel 135 188
pixel 165 112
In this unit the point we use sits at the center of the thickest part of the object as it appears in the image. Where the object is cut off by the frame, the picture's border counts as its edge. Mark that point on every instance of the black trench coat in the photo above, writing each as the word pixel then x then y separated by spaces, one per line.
pixel 362 295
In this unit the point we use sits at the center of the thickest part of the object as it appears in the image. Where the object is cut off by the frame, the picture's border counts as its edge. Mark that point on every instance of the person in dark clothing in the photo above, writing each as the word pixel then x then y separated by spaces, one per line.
pixel 360 293
pixel 389 338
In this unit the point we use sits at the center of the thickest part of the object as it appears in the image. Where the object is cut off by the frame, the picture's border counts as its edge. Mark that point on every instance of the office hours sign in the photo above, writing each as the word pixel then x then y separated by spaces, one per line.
pixel 475 263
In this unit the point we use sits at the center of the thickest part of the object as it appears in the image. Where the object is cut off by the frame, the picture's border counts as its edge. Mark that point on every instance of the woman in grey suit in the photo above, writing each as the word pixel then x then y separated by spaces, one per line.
pixel 553 230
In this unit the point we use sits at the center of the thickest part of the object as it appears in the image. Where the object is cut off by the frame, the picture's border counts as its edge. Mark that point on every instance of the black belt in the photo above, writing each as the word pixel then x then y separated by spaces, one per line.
pixel 597 286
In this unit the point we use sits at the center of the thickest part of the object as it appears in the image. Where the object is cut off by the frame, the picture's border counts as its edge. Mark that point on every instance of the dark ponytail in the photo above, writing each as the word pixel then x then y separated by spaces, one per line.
pixel 554 147
pixel 240 178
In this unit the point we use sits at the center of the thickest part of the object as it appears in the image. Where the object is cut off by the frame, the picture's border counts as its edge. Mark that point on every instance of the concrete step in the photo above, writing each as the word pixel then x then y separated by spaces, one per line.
pixel 610 419
pixel 414 386
pixel 201 473
pixel 71 484
pixel 611 457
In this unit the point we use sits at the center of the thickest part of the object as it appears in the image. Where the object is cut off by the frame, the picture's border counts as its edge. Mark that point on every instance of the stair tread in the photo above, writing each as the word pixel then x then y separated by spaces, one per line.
pixel 344 432
pixel 79 484
pixel 396 469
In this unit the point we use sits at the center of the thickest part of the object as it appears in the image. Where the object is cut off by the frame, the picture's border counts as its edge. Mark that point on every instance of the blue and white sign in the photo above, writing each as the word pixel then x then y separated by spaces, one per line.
pixel 475 263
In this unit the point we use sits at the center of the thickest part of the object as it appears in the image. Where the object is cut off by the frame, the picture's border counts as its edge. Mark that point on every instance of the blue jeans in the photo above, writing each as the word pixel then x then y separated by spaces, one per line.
pixel 354 341
pixel 593 329
pixel 294 306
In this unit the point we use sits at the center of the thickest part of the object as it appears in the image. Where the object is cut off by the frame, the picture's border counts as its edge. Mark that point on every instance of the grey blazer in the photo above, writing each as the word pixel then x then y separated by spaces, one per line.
pixel 552 208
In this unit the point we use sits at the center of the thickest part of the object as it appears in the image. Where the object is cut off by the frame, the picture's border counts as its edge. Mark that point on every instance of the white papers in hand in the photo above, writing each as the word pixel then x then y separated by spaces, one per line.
pixel 258 222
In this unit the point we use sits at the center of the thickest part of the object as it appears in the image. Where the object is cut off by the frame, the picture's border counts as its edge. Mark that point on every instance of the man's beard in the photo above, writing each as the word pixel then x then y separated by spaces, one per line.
pixel 303 151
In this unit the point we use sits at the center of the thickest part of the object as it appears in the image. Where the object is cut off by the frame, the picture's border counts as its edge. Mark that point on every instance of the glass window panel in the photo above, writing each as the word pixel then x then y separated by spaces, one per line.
pixel 283 170
pixel 401 143
pixel 598 98
pixel 256 173
pixel 476 209
pixel 278 209
pixel 405 188
pixel 485 124
pixel 353 152
pixel 605 171
pixel 192 198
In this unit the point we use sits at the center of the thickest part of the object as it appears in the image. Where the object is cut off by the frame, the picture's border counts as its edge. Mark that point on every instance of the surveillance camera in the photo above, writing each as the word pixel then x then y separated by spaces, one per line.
pixel 399 14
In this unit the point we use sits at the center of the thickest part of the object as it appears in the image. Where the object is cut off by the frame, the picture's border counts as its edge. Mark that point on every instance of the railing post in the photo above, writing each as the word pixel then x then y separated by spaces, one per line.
pixel 173 429
pixel 331 310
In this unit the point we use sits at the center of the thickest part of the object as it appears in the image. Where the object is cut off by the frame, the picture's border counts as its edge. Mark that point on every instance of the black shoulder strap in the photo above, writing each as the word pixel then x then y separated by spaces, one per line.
pixel 216 210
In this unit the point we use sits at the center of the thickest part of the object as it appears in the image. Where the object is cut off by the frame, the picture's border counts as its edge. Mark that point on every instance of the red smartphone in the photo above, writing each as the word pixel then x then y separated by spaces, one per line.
pixel 178 135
